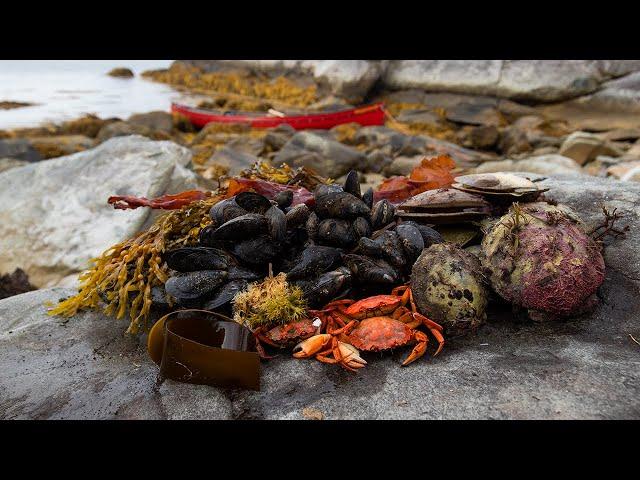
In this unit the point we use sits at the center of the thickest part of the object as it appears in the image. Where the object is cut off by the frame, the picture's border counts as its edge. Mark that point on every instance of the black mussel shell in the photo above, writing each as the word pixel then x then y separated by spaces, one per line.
pixel 341 205
pixel 367 197
pixel 191 259
pixel 362 227
pixel 352 184
pixel 194 285
pixel 411 240
pixel 326 287
pixel 159 299
pixel 370 247
pixel 225 294
pixel 277 223
pixel 391 245
pixel 335 232
pixel 325 189
pixel 366 270
pixel 240 273
pixel 253 202
pixel 240 228
pixel 284 198
pixel 226 210
pixel 429 235
pixel 313 261
pixel 313 223
pixel 382 214
pixel 256 251
pixel 297 215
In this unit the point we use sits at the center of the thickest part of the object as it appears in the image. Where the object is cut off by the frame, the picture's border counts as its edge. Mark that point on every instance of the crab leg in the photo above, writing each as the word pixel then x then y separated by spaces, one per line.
pixel 419 349
pixel 311 346
pixel 260 339
pixel 434 328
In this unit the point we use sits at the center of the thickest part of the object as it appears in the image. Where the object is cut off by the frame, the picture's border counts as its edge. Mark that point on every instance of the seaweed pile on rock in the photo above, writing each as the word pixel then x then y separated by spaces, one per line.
pixel 296 266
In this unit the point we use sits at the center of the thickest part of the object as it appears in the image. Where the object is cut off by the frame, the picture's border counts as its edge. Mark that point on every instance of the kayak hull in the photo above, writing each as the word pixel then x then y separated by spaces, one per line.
pixel 368 115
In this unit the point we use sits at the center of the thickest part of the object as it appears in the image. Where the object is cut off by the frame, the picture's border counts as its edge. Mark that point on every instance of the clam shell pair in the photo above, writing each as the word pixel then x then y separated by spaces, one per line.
pixel 498 184
pixel 444 205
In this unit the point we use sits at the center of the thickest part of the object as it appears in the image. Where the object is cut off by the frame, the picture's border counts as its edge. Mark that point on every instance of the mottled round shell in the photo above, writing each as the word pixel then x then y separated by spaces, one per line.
pixel 539 258
pixel 448 287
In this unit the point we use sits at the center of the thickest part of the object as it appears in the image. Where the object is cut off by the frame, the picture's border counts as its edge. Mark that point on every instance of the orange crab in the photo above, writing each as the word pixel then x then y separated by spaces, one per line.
pixel 382 322
pixel 287 335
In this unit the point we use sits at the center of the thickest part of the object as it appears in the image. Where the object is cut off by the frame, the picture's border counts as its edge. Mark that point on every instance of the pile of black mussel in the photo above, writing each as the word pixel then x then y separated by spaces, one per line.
pixel 345 245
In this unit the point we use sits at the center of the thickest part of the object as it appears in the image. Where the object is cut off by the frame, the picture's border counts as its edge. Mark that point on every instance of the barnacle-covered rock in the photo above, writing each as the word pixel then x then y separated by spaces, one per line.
pixel 448 287
pixel 540 258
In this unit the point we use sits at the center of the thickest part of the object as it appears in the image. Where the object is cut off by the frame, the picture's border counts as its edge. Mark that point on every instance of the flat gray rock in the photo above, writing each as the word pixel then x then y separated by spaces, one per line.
pixel 54 214
pixel 585 368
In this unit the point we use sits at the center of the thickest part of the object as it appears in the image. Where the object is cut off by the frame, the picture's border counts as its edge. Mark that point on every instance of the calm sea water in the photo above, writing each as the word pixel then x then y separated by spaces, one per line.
pixel 67 89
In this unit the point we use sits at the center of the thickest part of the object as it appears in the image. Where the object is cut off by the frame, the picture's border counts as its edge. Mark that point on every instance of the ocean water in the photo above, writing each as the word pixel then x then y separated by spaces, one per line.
pixel 67 89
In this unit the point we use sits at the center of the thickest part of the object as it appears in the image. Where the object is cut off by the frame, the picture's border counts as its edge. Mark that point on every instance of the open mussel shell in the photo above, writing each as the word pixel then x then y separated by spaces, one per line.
pixel 253 202
pixel 194 285
pixel 191 259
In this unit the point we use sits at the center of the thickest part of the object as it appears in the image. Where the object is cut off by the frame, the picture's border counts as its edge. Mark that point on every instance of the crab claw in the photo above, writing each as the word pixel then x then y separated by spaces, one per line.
pixel 309 347
pixel 351 355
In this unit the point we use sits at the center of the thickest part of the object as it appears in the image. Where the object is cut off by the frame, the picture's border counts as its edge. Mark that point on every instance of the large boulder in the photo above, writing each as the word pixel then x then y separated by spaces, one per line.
pixel 327 157
pixel 584 368
pixel 542 164
pixel 54 215
pixel 531 80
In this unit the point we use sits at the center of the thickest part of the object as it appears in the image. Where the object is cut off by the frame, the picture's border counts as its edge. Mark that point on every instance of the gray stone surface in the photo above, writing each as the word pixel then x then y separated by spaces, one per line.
pixel 543 164
pixel 531 80
pixel 327 157
pixel 585 368
pixel 54 214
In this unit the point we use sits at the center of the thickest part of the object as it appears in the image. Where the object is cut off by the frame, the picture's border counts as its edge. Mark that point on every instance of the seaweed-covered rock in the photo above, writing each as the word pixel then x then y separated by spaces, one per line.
pixel 540 258
pixel 448 287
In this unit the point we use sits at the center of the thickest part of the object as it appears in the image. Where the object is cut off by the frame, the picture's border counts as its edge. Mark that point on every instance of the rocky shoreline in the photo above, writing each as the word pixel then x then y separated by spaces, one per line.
pixel 572 126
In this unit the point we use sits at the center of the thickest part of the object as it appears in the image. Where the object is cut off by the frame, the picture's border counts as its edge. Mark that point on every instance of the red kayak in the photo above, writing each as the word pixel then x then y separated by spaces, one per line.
pixel 367 115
